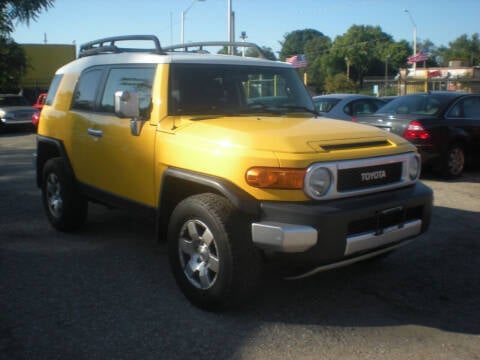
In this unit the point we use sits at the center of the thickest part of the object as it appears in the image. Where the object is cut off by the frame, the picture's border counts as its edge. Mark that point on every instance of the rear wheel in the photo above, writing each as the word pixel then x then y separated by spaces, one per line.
pixel 65 207
pixel 211 253
pixel 454 161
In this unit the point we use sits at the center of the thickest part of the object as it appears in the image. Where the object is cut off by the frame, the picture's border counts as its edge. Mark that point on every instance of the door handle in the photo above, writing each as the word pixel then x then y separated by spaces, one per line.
pixel 96 133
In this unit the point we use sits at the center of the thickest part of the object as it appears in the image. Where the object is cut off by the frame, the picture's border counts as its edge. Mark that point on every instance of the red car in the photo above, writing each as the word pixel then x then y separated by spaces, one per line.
pixel 38 105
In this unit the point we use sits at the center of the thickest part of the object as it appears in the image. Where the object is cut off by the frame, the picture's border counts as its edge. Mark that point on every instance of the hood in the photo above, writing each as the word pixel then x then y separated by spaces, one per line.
pixel 284 134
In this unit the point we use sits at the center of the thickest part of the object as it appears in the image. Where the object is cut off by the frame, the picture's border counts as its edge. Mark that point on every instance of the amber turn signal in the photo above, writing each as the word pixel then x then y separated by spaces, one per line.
pixel 275 178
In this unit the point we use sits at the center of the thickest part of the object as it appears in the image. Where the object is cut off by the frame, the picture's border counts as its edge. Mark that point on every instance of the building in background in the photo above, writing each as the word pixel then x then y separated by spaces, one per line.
pixel 42 62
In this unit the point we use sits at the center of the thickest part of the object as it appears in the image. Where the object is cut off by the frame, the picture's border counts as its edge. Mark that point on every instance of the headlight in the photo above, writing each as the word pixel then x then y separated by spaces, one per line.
pixel 414 167
pixel 318 182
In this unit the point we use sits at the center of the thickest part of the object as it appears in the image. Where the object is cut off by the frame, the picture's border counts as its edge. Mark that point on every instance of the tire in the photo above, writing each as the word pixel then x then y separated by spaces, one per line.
pixel 65 207
pixel 454 161
pixel 211 253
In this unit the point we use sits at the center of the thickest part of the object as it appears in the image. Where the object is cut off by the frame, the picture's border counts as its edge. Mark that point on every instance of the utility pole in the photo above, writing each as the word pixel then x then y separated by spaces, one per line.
pixel 414 38
pixel 182 21
pixel 230 25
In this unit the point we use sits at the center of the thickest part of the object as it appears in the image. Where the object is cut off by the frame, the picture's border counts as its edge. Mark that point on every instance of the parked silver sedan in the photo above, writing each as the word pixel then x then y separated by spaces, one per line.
pixel 346 106
pixel 15 110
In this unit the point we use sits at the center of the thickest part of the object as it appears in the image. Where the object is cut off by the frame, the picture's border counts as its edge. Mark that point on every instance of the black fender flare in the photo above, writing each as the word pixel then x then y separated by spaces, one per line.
pixel 48 148
pixel 178 184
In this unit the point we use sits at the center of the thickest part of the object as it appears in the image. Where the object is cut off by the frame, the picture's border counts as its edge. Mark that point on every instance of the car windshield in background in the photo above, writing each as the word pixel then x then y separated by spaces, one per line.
pixel 415 104
pixel 204 89
pixel 13 100
pixel 325 105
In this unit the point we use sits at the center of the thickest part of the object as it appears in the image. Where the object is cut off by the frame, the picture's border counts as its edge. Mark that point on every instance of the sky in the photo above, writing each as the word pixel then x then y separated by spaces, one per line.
pixel 266 22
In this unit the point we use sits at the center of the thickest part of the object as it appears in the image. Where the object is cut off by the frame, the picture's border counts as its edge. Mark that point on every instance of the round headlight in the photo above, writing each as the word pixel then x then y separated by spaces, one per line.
pixel 318 182
pixel 414 167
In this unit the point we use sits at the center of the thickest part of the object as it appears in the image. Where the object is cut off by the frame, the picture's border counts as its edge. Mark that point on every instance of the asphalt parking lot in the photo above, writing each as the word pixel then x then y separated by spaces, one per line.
pixel 107 293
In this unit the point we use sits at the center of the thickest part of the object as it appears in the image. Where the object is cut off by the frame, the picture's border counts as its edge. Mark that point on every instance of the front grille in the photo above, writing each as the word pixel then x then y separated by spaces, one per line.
pixel 22 115
pixel 384 220
pixel 365 177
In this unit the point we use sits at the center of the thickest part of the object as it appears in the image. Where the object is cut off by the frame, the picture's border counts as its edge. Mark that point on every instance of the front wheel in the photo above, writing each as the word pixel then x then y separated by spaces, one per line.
pixel 65 207
pixel 211 253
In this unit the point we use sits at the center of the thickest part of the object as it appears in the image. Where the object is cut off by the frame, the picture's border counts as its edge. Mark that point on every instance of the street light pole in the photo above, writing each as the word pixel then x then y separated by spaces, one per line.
pixel 414 36
pixel 230 25
pixel 182 22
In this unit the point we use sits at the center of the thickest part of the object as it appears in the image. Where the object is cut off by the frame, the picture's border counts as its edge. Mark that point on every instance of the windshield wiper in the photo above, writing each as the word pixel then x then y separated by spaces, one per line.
pixel 296 107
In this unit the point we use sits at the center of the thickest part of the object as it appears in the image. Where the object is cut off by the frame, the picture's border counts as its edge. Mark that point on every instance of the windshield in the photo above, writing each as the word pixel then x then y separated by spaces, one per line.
pixel 13 101
pixel 414 104
pixel 206 89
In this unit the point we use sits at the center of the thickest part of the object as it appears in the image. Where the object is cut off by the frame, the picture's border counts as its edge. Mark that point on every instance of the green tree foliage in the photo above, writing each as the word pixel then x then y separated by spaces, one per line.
pixel 463 48
pixel 315 46
pixel 295 42
pixel 339 83
pixel 12 57
pixel 269 54
pixel 428 47
pixel 21 11
pixel 362 48
pixel 395 56
pixel 12 65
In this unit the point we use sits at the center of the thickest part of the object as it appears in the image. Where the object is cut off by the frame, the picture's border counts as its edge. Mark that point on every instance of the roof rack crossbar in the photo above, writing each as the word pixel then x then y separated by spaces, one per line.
pixel 200 46
pixel 108 45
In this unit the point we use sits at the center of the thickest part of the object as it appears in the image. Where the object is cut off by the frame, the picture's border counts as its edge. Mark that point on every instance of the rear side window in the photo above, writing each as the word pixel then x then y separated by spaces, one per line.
pixel 468 107
pixel 52 90
pixel 132 79
pixel 86 90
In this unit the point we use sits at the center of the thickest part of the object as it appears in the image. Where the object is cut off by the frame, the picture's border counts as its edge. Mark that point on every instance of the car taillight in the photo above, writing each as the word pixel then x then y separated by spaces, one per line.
pixel 35 118
pixel 415 131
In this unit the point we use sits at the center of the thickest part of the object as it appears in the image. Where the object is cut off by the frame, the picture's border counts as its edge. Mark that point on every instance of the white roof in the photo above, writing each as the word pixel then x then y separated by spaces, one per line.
pixel 146 58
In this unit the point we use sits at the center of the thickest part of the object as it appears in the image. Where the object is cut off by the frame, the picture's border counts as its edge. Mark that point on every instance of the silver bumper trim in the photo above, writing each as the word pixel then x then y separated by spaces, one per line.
pixel 283 237
pixel 391 234
pixel 347 262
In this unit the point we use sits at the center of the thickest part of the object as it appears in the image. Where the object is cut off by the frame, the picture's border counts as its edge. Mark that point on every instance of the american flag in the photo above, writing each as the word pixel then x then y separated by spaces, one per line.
pixel 298 61
pixel 419 57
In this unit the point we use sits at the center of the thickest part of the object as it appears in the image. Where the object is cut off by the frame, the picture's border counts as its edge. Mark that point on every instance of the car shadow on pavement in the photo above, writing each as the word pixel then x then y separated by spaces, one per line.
pixel 431 282
pixel 107 291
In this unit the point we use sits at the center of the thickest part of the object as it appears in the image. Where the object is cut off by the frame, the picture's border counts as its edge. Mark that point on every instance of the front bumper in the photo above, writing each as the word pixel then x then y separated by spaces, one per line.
pixel 326 232
pixel 12 122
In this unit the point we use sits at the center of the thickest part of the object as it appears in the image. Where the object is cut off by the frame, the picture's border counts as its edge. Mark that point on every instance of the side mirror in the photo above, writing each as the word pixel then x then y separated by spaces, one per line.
pixel 127 105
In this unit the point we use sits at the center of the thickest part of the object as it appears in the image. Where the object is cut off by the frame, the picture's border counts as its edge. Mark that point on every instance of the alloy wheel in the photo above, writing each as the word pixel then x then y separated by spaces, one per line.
pixel 198 254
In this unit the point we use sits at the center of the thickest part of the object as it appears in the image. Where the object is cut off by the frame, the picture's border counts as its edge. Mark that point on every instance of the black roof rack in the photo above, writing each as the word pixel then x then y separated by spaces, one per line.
pixel 108 45
pixel 198 47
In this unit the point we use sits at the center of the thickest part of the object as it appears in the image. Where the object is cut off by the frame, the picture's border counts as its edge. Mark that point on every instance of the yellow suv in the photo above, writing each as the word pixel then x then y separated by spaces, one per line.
pixel 227 154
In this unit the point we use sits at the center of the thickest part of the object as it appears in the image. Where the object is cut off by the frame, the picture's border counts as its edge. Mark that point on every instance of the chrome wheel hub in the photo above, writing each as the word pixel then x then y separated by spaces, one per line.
pixel 53 195
pixel 456 161
pixel 198 254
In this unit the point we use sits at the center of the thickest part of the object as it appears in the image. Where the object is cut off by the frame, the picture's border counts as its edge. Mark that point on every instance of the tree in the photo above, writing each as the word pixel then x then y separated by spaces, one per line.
pixel 267 51
pixel 463 48
pixel 294 43
pixel 395 56
pixel 21 11
pixel 315 46
pixel 339 84
pixel 12 65
pixel 361 49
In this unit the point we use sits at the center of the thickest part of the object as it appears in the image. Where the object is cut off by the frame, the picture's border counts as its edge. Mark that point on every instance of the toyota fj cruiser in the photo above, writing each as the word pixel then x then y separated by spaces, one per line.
pixel 227 154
